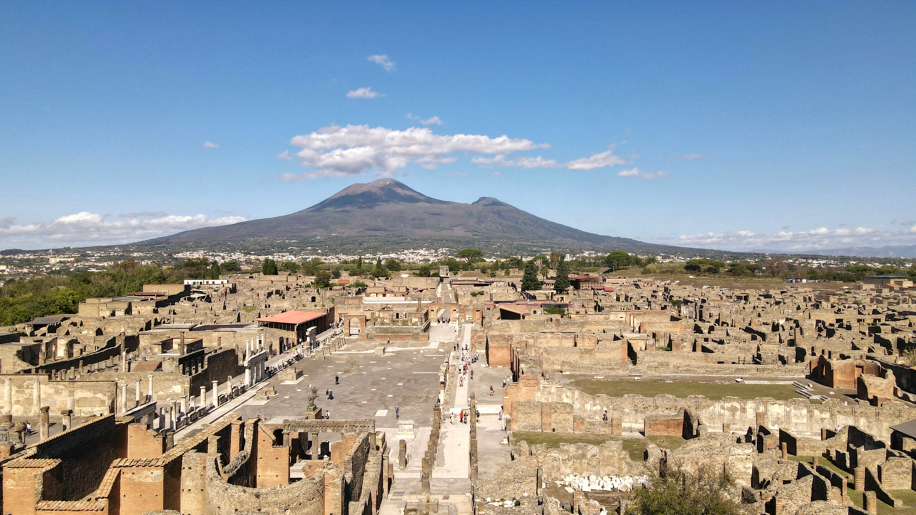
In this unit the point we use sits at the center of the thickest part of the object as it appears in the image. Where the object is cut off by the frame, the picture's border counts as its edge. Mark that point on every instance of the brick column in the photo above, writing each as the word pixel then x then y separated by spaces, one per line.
pixel 870 501
pixel 860 478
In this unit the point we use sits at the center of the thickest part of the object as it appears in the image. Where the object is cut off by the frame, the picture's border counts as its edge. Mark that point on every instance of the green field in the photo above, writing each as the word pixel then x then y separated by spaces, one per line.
pixel 634 446
pixel 713 391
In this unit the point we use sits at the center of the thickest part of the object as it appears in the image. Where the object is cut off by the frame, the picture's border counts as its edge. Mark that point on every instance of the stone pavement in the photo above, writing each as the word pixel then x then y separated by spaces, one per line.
pixel 449 481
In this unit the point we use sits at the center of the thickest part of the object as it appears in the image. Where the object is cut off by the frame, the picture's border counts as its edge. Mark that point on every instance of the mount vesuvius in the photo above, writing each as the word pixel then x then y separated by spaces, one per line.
pixel 388 209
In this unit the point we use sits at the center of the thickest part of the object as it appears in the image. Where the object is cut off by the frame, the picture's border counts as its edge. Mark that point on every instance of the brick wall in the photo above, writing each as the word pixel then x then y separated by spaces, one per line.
pixel 142 443
pixel 661 425
pixel 272 463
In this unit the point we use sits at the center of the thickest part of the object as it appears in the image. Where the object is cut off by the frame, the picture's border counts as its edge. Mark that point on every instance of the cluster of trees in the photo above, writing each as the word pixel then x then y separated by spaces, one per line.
pixel 22 300
pixel 679 493
pixel 619 259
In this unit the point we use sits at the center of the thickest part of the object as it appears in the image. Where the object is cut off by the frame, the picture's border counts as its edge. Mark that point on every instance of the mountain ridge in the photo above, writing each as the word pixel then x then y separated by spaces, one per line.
pixel 387 208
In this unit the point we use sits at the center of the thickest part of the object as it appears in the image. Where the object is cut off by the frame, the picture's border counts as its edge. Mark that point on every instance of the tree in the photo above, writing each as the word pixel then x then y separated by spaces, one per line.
pixel 323 279
pixel 393 264
pixel 680 493
pixel 214 270
pixel 230 267
pixel 471 255
pixel 269 267
pixel 776 266
pixel 530 280
pixel 738 269
pixel 562 282
pixel 423 271
pixel 555 258
pixel 617 260
pixel 311 266
pixel 289 266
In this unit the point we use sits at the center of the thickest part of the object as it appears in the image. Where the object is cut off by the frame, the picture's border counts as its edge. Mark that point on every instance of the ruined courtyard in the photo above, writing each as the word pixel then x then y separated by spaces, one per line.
pixel 459 394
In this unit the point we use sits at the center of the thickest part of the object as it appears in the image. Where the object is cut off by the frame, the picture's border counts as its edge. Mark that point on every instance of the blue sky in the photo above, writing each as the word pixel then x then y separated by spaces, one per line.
pixel 738 125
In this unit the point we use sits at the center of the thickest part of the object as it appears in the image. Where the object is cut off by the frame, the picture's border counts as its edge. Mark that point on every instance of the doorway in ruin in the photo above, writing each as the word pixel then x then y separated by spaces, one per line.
pixel 354 327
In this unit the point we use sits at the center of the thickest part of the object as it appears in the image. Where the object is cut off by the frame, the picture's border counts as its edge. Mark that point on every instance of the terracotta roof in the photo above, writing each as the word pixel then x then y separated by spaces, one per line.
pixel 514 308
pixel 147 366
pixel 293 317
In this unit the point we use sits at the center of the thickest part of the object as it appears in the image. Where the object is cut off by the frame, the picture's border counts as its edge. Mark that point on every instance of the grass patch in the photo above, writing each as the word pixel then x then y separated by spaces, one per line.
pixel 635 447
pixel 249 309
pixel 883 509
pixel 682 389
pixel 822 461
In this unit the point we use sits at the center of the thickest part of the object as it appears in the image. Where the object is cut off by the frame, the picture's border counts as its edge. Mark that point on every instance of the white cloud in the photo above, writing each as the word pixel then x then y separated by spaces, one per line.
pixel 518 162
pixel 364 93
pixel 635 172
pixel 384 61
pixel 358 149
pixel 285 156
pixel 210 145
pixel 597 161
pixel 820 238
pixel 352 150
pixel 6 221
pixel 435 120
pixel 86 228
pixel 689 157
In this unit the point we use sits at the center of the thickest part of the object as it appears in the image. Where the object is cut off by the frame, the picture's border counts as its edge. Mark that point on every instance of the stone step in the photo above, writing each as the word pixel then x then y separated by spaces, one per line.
pixel 439 486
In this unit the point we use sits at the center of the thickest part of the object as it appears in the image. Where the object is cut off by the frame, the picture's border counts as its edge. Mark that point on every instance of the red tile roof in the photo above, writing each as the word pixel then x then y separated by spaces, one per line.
pixel 293 317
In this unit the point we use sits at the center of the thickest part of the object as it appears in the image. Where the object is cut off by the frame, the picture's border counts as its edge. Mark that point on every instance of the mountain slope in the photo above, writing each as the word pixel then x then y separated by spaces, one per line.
pixel 387 208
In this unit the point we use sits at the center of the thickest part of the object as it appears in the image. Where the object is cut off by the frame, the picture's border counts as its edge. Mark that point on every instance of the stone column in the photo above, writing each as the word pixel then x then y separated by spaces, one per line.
pixel 137 394
pixel 124 361
pixel 203 396
pixel 44 422
pixel 184 404
pixel 229 387
pixel 150 388
pixel 123 399
pixel 785 450
pixel 36 396
pixel 71 403
pixel 247 377
pixel 215 395
pixel 402 454
pixel 67 416
pixel 424 476
pixel 8 396
pixel 173 420
pixel 316 445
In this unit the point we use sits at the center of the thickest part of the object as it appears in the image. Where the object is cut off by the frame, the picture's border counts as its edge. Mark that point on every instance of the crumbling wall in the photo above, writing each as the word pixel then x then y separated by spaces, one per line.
pixel 799 416
pixel 304 497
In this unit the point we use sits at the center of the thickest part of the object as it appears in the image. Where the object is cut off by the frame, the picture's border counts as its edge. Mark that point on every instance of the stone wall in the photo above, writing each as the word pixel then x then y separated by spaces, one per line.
pixel 796 415
pixel 89 397
pixel 304 497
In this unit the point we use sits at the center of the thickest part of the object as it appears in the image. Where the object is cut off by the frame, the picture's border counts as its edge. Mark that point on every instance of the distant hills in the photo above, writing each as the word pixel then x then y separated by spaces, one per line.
pixel 387 210
pixel 896 251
